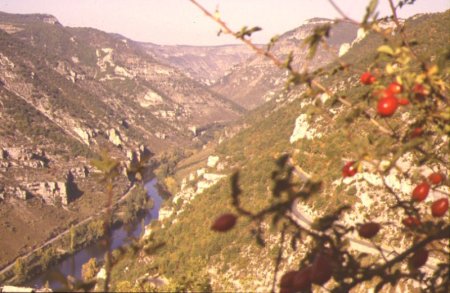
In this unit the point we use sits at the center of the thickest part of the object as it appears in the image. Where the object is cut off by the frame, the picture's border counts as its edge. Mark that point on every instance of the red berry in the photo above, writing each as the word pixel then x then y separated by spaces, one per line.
pixel 403 102
pixel 419 90
pixel 395 88
pixel 349 169
pixel 287 290
pixel 367 78
pixel 224 223
pixel 387 106
pixel 416 132
pixel 421 191
pixel 383 94
pixel 302 279
pixel 436 178
pixel 321 269
pixel 369 230
pixel 287 280
pixel 419 258
pixel 439 207
pixel 411 222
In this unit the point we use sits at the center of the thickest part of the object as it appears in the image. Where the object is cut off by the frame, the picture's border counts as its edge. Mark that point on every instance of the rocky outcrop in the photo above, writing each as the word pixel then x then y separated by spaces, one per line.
pixel 17 192
pixel 85 134
pixel 2 193
pixel 51 192
pixel 18 156
pixel 151 98
pixel 256 81
pixel 212 161
pixel 9 288
pixel 136 159
pixel 3 154
pixel 114 137
pixel 80 172
pixel 161 135
pixel 303 129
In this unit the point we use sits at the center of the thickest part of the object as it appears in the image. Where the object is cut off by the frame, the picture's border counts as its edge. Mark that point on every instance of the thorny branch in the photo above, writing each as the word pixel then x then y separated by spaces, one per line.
pixel 280 64
pixel 382 270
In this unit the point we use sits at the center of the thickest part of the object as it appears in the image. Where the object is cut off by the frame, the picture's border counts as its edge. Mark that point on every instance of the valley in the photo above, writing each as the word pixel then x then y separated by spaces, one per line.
pixel 79 103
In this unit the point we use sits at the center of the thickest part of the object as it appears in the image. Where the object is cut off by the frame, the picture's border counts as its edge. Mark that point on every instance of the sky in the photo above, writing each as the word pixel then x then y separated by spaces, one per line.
pixel 179 22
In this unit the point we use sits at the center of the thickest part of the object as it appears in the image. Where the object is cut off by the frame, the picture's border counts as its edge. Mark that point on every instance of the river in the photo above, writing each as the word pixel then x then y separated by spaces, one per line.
pixel 72 265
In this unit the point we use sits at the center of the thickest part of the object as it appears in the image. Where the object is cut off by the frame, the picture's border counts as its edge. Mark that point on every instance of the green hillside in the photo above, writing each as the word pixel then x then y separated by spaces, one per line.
pixel 195 258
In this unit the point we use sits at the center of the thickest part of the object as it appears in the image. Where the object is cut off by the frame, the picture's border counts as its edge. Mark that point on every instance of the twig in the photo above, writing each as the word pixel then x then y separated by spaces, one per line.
pixel 339 10
pixel 279 258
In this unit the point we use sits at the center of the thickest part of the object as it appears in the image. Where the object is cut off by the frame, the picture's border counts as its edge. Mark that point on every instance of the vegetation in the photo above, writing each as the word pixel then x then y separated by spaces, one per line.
pixel 262 197
pixel 370 113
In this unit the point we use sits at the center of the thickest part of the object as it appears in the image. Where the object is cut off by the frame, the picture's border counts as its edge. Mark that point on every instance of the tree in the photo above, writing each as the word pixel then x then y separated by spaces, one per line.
pixel 90 269
pixel 19 269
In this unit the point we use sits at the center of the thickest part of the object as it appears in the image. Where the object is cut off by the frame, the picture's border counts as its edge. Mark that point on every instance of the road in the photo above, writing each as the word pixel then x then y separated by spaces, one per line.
pixel 60 235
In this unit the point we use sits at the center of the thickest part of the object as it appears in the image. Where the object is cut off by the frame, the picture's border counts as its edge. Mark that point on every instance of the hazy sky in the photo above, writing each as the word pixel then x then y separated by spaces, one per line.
pixel 179 22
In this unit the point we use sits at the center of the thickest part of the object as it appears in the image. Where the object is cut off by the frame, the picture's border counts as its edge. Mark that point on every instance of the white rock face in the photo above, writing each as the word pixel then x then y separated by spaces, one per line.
pixel 151 98
pixel 344 49
pixel 104 58
pixel 4 61
pixel 213 177
pixel 209 179
pixel 8 288
pixel 84 134
pixel 51 192
pixel 101 275
pixel 212 161
pixel 361 34
pixel 200 172
pixel 114 137
pixel 324 97
pixel 119 70
pixel 303 130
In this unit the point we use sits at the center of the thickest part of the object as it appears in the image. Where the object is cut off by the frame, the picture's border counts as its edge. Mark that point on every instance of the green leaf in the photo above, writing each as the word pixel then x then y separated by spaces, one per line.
pixel 370 9
pixel 247 32
pixel 386 50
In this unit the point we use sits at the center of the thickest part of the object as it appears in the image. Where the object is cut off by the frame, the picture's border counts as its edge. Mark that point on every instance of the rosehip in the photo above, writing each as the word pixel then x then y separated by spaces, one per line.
pixel 418 131
pixel 384 94
pixel 403 102
pixel 419 90
pixel 321 269
pixel 411 222
pixel 420 192
pixel 387 106
pixel 436 178
pixel 419 258
pixel 349 169
pixel 369 230
pixel 302 279
pixel 367 78
pixel 287 280
pixel 224 223
pixel 439 207
pixel 395 87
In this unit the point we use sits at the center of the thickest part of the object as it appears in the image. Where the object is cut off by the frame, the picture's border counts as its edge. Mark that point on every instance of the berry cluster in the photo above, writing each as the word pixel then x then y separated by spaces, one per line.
pixel 420 193
pixel 388 98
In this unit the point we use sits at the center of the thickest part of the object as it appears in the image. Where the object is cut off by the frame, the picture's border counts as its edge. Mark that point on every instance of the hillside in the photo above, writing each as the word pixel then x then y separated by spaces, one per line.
pixel 319 142
pixel 202 63
pixel 66 94
pixel 256 81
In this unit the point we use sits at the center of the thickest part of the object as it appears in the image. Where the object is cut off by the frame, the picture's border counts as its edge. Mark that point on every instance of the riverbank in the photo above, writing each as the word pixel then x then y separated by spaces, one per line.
pixel 72 263
pixel 63 245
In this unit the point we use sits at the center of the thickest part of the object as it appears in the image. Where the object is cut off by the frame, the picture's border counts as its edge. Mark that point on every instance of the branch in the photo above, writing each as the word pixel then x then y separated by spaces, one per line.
pixel 339 10
pixel 226 29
